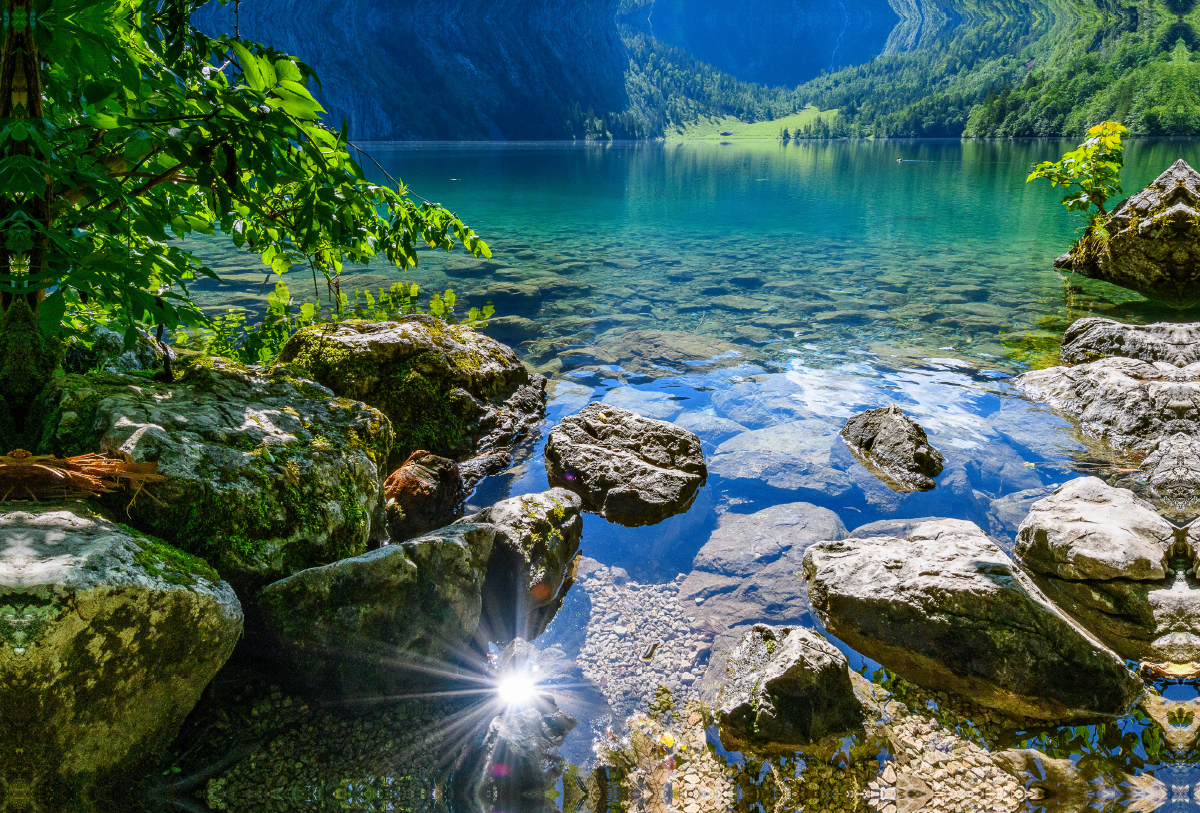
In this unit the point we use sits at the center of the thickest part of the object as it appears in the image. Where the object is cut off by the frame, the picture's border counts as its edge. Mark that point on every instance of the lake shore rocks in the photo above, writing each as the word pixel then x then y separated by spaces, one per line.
pixel 1148 409
pixel 947 609
pixel 786 686
pixel 533 561
pixel 107 639
pixel 1150 243
pixel 631 470
pixel 894 448
pixel 425 493
pixel 364 626
pixel 266 473
pixel 445 388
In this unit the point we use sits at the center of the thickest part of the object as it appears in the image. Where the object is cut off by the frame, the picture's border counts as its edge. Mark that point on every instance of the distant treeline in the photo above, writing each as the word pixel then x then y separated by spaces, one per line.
pixel 1002 68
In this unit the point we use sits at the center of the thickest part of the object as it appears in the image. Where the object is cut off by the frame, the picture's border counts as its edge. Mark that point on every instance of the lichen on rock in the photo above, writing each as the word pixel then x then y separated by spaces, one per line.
pixel 267 473
pixel 107 638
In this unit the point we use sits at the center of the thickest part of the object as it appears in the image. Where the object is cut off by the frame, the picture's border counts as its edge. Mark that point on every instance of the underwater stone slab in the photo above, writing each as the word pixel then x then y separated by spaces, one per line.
pixel 1152 242
pixel 786 686
pixel 446 388
pixel 107 639
pixel 358 628
pixel 266 473
pixel 631 470
pixel 532 564
pixel 947 609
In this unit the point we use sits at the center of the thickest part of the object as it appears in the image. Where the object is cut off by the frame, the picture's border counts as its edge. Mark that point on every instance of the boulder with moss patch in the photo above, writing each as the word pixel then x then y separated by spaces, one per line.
pixel 533 561
pixel 267 474
pixel 107 638
pixel 365 626
pixel 446 388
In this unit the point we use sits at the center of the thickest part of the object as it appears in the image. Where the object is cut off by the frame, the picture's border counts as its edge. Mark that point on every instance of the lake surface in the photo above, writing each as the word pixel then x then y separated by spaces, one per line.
pixel 759 294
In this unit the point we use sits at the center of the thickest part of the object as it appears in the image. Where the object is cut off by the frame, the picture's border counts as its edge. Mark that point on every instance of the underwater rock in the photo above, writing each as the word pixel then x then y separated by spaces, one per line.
pixel 425 493
pixel 267 474
pixel 947 609
pixel 1149 408
pixel 790 456
pixel 107 639
pixel 1069 785
pixel 1150 243
pixel 519 754
pixel 1005 514
pixel 445 388
pixel 1103 556
pixel 894 448
pixel 363 627
pixel 786 686
pixel 664 352
pixel 1093 338
pixel 533 562
pixel 749 572
pixel 629 469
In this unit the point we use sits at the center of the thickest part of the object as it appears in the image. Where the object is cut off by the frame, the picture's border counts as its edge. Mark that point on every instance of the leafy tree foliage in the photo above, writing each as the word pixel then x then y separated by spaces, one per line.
pixel 122 129
pixel 1092 170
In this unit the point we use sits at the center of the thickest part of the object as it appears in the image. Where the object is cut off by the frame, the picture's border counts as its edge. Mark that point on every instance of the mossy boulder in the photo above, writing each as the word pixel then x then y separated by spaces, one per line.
pixel 446 388
pixel 107 638
pixel 533 563
pixel 365 626
pixel 267 474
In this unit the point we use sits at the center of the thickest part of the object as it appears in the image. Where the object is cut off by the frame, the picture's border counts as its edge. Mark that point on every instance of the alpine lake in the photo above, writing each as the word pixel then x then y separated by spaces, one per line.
pixel 757 293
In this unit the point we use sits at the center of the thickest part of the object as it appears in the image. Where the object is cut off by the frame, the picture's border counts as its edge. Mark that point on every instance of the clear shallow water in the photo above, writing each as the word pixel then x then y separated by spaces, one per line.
pixel 760 294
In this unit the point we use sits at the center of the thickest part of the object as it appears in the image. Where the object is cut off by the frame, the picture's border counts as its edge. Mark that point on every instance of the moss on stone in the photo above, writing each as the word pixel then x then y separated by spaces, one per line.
pixel 160 559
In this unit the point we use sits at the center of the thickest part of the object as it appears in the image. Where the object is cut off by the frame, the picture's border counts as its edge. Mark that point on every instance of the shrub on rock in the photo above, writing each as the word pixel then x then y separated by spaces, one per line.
pixel 107 639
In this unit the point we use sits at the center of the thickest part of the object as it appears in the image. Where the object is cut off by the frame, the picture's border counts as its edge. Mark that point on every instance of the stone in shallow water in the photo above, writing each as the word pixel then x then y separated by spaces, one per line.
pixel 532 564
pixel 894 448
pixel 631 470
pixel 786 686
pixel 1093 338
pixel 947 609
pixel 107 639
pixel 1153 242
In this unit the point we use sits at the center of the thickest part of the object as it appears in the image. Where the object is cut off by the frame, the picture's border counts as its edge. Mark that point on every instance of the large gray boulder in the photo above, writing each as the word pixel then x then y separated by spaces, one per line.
pixel 786 686
pixel 360 627
pixel 107 639
pixel 947 609
pixel 266 473
pixel 1102 554
pixel 1093 337
pixel 1148 408
pixel 1150 243
pixel 894 448
pixel 446 388
pixel 533 561
pixel 631 470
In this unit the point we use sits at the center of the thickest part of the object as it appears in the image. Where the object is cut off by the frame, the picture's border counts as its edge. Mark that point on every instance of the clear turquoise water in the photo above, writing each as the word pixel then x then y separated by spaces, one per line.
pixel 841 278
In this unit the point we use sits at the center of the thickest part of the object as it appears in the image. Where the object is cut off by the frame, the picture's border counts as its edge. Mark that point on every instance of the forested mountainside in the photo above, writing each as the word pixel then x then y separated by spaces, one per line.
pixel 1031 68
pixel 536 69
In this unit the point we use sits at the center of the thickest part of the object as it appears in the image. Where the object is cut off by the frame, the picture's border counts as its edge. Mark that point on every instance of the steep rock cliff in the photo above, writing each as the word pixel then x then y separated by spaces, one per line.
pixel 447 69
